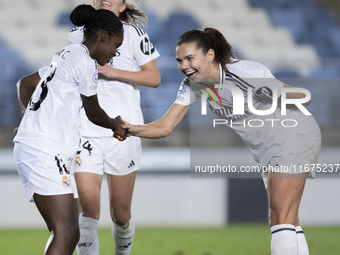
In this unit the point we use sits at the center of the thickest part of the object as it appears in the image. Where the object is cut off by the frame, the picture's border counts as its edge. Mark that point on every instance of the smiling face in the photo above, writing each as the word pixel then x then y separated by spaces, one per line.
pixel 108 47
pixel 116 6
pixel 194 63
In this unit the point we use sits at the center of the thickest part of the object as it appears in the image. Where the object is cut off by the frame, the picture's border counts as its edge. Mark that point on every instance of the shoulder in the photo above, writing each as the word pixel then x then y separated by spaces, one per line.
pixel 74 55
pixel 133 30
pixel 249 69
pixel 75 35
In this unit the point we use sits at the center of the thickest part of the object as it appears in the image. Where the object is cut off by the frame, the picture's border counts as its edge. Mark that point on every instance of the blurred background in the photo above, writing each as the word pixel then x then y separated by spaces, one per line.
pixel 298 40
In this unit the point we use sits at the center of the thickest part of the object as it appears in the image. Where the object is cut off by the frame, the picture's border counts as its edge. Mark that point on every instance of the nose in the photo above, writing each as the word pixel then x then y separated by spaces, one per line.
pixel 184 66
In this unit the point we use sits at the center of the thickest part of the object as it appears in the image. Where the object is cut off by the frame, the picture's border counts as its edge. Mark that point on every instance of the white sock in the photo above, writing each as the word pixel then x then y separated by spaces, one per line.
pixel 302 243
pixel 49 241
pixel 123 237
pixel 88 243
pixel 284 240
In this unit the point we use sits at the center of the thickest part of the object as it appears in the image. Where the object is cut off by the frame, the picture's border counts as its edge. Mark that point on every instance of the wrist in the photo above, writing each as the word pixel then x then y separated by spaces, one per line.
pixel 114 125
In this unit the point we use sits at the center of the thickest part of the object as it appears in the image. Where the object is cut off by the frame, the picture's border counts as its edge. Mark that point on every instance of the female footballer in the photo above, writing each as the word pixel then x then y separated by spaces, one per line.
pixel 206 58
pixel 48 136
pixel 99 153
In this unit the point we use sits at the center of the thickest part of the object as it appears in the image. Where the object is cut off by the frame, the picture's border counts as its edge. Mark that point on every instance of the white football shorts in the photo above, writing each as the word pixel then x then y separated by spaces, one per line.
pixel 108 155
pixel 43 173
pixel 298 159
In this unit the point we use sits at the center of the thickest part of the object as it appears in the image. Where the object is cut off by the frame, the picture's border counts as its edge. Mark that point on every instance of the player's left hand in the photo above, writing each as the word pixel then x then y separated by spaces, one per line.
pixel 15 131
pixel 107 71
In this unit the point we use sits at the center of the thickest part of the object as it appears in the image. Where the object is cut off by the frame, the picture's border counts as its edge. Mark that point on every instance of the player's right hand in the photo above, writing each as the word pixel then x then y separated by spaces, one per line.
pixel 119 132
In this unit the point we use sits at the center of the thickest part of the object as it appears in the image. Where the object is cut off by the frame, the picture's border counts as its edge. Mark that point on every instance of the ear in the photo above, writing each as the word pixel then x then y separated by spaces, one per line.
pixel 122 8
pixel 105 36
pixel 211 55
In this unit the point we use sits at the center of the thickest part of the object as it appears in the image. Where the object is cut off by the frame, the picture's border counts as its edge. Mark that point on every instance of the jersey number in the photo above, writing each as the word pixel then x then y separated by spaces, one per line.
pixel 43 83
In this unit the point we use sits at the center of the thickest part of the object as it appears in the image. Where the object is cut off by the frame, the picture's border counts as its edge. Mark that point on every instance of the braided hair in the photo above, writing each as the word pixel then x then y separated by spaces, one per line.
pixel 94 20
pixel 207 39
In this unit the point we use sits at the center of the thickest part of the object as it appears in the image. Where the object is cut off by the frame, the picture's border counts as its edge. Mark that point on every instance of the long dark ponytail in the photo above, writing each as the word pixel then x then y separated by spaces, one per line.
pixel 94 20
pixel 211 38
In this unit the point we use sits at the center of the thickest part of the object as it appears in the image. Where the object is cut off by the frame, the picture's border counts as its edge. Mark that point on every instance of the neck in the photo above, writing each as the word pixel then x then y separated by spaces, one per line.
pixel 92 46
pixel 215 71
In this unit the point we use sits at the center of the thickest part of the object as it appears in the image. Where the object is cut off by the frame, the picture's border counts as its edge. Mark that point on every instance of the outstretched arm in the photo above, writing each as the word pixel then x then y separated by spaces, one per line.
pixel 26 87
pixel 162 127
pixel 99 117
pixel 148 76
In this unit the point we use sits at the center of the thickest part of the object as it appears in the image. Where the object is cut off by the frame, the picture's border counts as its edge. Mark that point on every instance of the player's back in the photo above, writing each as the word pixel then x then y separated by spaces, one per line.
pixel 52 119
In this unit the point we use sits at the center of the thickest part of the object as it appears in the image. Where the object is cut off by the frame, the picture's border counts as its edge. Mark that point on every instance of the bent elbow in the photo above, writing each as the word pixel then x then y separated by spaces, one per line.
pixel 156 81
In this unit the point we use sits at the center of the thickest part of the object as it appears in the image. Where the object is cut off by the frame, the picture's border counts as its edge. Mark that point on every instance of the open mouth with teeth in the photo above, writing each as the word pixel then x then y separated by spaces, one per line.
pixel 191 74
pixel 106 4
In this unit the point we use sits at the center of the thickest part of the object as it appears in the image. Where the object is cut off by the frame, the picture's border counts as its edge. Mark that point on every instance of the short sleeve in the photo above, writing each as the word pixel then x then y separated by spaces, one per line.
pixel 75 36
pixel 143 50
pixel 42 71
pixel 87 72
pixel 185 95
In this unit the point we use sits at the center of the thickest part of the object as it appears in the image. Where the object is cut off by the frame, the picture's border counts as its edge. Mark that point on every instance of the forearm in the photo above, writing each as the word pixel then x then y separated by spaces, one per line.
pixel 26 87
pixel 96 114
pixel 103 120
pixel 153 130
pixel 24 95
pixel 145 78
pixel 162 127
pixel 148 75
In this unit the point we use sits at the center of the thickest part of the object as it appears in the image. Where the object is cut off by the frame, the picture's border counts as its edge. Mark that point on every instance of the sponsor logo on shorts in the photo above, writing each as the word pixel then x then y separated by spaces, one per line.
pixel 65 182
pixel 78 161
pixel 131 164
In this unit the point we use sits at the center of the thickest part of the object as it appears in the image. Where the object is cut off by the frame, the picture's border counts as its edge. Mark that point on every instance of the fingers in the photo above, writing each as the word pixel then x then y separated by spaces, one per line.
pixel 120 138
pixel 15 130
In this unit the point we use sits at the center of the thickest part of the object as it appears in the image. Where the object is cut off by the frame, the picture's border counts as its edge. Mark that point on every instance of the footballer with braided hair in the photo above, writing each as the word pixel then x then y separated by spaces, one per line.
pixel 99 153
pixel 48 136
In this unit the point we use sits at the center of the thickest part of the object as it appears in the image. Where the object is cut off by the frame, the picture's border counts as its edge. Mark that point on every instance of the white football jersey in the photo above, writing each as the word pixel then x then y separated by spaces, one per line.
pixel 117 97
pixel 51 122
pixel 265 135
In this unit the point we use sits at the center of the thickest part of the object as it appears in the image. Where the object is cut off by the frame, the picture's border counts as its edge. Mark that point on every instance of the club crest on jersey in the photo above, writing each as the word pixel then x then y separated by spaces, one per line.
pixel 65 182
pixel 78 161
pixel 182 89
pixel 146 46
pixel 95 77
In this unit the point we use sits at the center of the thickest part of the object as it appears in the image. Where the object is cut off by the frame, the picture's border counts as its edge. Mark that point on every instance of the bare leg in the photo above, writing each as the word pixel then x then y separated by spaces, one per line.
pixel 284 196
pixel 60 213
pixel 121 191
pixel 89 185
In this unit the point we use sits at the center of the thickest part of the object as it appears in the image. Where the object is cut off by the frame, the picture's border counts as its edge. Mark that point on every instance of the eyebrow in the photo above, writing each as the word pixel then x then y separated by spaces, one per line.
pixel 178 59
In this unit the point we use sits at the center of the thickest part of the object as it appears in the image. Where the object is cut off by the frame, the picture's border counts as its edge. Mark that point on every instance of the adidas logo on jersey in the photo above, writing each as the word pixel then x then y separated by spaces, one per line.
pixel 131 164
